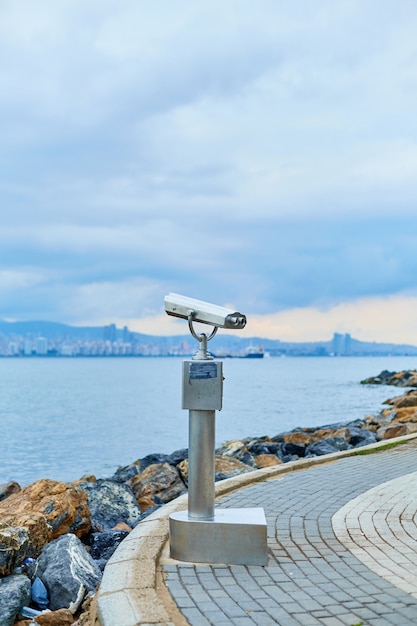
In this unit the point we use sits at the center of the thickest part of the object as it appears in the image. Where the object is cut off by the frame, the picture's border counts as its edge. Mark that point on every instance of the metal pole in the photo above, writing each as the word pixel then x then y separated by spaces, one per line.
pixel 201 461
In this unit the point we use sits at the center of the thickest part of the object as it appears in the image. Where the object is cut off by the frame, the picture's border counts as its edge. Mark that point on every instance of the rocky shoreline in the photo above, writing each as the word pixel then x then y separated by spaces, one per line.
pixel 56 538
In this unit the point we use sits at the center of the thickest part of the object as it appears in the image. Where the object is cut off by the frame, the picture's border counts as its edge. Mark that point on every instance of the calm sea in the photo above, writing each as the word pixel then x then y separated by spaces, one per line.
pixel 62 418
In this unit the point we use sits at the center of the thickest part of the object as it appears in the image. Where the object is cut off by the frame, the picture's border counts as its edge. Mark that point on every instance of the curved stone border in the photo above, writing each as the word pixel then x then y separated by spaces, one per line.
pixel 379 528
pixel 128 594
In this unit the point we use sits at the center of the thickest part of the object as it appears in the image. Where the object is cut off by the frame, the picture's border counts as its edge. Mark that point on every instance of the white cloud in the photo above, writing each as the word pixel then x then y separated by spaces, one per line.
pixel 212 148
pixel 16 280
pixel 391 319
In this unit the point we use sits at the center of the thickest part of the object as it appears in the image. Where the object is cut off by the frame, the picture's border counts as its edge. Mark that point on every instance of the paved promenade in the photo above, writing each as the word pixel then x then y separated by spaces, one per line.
pixel 342 541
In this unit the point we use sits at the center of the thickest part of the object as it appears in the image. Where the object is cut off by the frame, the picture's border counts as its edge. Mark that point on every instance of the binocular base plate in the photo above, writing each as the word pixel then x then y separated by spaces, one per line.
pixel 232 537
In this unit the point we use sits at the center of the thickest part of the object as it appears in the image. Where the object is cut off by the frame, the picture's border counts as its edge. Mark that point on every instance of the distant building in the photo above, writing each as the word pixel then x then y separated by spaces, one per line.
pixel 41 346
pixel 27 348
pixel 109 333
pixel 13 348
pixel 342 344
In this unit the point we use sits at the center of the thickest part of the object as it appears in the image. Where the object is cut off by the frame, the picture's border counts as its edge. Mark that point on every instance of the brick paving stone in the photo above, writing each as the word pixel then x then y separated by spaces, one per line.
pixel 310 575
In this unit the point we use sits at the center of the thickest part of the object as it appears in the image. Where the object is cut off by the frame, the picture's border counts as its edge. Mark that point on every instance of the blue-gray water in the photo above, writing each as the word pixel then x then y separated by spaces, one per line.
pixel 62 418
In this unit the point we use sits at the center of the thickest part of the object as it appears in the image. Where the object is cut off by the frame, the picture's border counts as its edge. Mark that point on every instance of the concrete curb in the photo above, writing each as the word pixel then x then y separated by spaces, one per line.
pixel 128 594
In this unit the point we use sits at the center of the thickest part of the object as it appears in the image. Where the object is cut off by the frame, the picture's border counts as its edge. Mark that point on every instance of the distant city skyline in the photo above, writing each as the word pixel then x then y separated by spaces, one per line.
pixel 261 156
pixel 43 339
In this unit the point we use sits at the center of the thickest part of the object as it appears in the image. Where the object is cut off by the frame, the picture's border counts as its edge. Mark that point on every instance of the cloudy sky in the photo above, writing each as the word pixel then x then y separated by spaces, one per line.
pixel 261 155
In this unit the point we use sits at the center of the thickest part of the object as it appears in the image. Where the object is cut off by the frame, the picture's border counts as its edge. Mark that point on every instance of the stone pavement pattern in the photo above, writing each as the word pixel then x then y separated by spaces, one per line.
pixel 379 528
pixel 311 577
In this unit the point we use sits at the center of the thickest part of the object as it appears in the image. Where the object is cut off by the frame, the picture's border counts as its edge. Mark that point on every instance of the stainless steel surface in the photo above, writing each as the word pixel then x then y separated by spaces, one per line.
pixel 201 458
pixel 234 536
pixel 204 312
pixel 202 385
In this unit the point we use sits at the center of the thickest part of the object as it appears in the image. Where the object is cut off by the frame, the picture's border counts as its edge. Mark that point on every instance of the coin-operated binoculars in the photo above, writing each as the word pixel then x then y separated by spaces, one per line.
pixel 205 534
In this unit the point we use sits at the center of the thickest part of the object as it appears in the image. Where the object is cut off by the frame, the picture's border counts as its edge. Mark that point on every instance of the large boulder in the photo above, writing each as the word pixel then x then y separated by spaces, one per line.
pixel 326 446
pixel 110 503
pixel 267 460
pixel 238 450
pixel 160 480
pixel 298 438
pixel 68 572
pixel 63 505
pixel 408 399
pixel 361 437
pixel 391 430
pixel 8 489
pixel 62 617
pixel 104 544
pixel 14 594
pixel 22 537
pixel 177 456
pixel 224 467
pixel 126 473
pixel 263 447
pixel 291 449
pixel 231 448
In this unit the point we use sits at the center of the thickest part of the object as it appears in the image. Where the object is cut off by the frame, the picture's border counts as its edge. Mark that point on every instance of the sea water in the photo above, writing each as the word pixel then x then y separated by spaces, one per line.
pixel 61 418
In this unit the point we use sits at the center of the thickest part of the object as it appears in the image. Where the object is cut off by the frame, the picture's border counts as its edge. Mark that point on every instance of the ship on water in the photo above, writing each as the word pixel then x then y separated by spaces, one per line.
pixel 253 352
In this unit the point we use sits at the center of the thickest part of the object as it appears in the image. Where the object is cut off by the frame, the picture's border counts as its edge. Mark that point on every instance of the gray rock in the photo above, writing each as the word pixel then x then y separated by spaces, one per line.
pixel 361 437
pixel 263 447
pixel 15 545
pixel 14 594
pixel 159 480
pixel 104 544
pixel 68 572
pixel 178 456
pixel 110 503
pixel 152 459
pixel 8 489
pixel 327 446
pixel 124 474
pixel 291 449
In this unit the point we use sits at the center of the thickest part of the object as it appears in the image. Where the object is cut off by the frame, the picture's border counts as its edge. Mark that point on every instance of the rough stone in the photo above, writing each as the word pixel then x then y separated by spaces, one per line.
pixel 14 594
pixel 224 467
pixel 68 572
pixel 264 447
pixel 407 378
pixel 407 414
pixel 161 480
pixel 391 430
pixel 21 538
pixel 155 458
pixel 111 502
pixel 323 433
pixel 177 457
pixel 361 437
pixel 267 460
pixel 104 544
pixel 124 474
pixel 147 503
pixel 8 489
pixel 231 448
pixel 408 399
pixel 63 505
pixel 291 449
pixel 122 526
pixel 298 437
pixel 63 617
pixel 326 446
